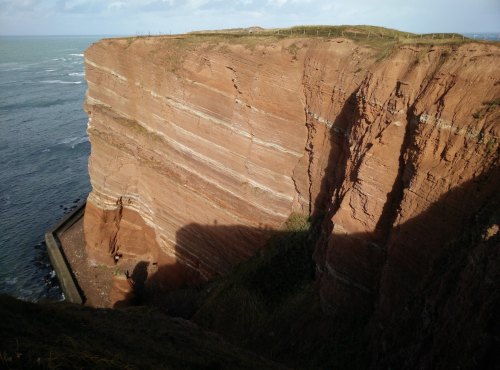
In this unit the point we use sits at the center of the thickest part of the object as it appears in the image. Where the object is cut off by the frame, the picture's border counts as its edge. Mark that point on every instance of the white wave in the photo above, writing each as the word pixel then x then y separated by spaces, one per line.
pixel 76 74
pixel 25 294
pixel 69 140
pixel 50 70
pixel 11 281
pixel 61 82
pixel 74 141
pixel 77 55
pixel 62 59
pixel 11 66
pixel 11 69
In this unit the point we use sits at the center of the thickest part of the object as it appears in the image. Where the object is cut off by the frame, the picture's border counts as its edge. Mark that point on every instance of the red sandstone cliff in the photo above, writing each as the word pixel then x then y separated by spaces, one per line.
pixel 192 131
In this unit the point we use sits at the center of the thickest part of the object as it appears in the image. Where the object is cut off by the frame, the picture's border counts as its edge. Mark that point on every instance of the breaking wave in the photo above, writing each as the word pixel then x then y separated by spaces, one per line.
pixel 74 141
pixel 61 82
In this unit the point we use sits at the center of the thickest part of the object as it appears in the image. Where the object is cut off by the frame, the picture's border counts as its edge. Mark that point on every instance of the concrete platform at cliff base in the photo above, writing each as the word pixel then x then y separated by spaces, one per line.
pixel 82 281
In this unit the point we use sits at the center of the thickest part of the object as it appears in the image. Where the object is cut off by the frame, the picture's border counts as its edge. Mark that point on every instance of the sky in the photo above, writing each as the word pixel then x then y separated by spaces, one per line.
pixel 139 17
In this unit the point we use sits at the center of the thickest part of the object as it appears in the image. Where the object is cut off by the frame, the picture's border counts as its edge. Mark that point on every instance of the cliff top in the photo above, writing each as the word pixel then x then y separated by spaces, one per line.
pixel 374 36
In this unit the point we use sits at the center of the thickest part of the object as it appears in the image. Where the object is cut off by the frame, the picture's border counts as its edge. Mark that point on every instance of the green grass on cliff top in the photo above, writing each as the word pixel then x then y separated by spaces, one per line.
pixel 378 37
pixel 383 40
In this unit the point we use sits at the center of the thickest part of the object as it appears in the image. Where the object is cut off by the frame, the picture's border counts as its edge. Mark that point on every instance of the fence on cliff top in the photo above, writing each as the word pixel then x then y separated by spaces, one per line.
pixel 369 34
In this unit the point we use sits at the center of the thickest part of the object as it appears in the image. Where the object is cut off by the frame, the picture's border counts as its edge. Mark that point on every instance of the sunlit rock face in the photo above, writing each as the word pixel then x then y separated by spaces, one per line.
pixel 202 147
pixel 202 133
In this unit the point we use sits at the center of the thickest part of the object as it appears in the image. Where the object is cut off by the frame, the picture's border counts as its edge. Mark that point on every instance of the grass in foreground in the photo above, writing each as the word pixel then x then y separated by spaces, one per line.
pixel 65 336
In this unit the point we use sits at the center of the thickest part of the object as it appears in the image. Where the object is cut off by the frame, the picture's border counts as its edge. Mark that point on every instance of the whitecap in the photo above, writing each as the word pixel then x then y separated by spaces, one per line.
pixel 69 140
pixel 82 140
pixel 76 74
pixel 74 141
pixel 11 281
pixel 61 82
pixel 50 70
pixel 77 55
pixel 11 69
pixel 11 66
pixel 25 294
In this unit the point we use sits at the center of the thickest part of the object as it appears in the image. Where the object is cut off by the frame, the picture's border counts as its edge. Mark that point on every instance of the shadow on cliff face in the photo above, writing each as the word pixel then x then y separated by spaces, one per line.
pixel 338 157
pixel 138 277
pixel 178 287
pixel 270 304
pixel 128 289
pixel 444 289
pixel 172 287
pixel 449 317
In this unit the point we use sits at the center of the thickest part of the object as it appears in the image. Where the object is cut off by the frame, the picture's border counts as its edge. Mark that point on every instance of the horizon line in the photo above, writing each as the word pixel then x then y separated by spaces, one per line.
pixel 170 33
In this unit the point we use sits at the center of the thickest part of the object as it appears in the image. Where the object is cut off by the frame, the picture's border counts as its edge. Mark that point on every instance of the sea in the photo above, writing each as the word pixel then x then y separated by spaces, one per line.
pixel 44 151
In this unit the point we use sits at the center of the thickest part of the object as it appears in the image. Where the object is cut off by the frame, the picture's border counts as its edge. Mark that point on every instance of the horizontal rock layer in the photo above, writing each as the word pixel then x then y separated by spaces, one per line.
pixel 190 132
pixel 419 160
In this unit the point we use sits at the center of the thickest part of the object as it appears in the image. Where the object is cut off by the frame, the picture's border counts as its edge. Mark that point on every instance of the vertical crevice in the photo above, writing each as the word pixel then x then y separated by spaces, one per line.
pixel 310 154
pixel 330 194
pixel 392 206
pixel 113 243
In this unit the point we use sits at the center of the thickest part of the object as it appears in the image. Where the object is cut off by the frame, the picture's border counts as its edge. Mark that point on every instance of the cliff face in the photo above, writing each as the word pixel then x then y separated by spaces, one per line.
pixel 189 132
pixel 424 125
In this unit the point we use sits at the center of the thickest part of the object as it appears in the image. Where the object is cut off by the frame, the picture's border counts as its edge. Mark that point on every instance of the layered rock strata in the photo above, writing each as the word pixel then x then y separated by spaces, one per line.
pixel 186 132
pixel 420 159
pixel 190 132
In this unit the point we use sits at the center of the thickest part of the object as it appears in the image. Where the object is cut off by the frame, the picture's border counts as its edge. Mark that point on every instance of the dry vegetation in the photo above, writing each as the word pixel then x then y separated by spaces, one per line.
pixel 373 36
pixel 382 40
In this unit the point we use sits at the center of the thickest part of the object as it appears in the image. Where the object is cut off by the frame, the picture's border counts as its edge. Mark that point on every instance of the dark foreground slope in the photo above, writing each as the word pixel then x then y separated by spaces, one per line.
pixel 64 336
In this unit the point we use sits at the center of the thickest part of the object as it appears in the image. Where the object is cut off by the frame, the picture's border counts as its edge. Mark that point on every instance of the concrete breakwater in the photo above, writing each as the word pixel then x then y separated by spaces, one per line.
pixel 67 280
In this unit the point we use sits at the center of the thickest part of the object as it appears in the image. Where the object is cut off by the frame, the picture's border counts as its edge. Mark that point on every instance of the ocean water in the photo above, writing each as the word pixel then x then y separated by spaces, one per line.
pixel 44 151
